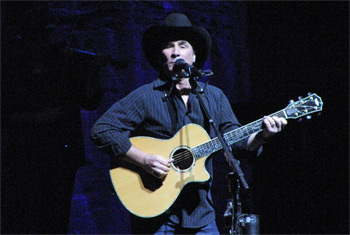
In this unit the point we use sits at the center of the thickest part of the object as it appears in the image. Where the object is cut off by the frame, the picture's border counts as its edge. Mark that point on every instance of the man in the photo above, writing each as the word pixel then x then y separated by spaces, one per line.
pixel 160 109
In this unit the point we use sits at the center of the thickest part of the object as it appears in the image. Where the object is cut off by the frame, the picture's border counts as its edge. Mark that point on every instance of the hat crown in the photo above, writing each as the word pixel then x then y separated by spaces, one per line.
pixel 176 26
pixel 176 20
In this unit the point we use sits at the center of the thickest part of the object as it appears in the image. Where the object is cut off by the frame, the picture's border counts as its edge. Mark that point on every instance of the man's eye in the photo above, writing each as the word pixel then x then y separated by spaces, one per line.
pixel 168 46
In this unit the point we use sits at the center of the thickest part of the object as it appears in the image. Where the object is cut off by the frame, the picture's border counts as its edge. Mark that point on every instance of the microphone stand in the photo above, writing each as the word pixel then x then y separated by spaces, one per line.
pixel 234 210
pixel 227 149
pixel 239 223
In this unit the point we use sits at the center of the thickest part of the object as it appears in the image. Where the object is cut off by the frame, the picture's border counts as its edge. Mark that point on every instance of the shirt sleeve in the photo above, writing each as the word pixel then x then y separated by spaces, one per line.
pixel 228 122
pixel 112 130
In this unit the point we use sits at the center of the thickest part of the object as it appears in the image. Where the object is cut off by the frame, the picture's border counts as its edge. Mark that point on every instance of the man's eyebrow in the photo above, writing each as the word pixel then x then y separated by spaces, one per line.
pixel 183 42
pixel 171 43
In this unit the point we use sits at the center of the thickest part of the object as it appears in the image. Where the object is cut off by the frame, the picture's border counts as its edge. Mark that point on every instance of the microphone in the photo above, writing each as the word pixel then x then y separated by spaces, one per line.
pixel 180 65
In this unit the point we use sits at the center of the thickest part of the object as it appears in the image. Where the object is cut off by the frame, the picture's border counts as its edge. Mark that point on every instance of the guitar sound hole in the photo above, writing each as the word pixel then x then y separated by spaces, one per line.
pixel 183 159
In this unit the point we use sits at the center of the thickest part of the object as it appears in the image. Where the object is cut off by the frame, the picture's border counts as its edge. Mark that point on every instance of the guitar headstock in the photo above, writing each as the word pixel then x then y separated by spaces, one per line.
pixel 304 106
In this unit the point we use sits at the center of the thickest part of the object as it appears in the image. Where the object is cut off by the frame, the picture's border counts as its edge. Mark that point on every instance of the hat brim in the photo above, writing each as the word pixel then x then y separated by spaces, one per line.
pixel 154 38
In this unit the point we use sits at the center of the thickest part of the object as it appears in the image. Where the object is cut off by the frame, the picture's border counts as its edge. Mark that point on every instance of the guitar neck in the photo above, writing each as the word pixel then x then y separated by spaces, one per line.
pixel 232 137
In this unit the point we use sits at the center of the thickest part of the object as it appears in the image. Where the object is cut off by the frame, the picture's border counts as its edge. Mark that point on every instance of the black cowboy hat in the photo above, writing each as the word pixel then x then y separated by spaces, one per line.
pixel 175 26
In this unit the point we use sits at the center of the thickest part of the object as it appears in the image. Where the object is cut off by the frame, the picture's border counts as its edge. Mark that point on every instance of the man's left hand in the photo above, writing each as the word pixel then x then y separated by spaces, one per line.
pixel 272 125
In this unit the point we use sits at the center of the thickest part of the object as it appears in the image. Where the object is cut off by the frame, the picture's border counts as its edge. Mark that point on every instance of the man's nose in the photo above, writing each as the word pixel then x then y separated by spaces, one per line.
pixel 175 53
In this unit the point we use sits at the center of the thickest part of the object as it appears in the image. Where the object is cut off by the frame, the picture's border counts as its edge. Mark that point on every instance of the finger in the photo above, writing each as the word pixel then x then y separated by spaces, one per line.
pixel 161 160
pixel 159 170
pixel 170 161
pixel 158 174
pixel 284 121
pixel 269 122
pixel 164 169
pixel 158 165
pixel 278 122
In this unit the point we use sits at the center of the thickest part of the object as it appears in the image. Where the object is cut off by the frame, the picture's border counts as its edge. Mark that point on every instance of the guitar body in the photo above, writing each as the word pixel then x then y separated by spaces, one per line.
pixel 147 196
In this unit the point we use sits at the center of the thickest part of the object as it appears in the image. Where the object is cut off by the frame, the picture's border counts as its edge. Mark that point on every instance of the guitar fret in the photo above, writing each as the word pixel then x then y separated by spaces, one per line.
pixel 207 148
pixel 231 137
pixel 238 134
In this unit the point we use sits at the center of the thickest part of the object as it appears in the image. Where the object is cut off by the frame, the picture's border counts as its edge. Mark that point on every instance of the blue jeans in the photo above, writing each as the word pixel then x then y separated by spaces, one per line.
pixel 171 228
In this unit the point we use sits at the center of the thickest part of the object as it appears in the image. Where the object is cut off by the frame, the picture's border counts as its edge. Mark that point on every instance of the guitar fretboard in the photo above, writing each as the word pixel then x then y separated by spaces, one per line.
pixel 232 137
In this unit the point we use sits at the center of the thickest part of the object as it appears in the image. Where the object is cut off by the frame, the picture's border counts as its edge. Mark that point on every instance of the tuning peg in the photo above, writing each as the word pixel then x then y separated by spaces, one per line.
pixel 291 102
pixel 308 117
pixel 309 93
pixel 318 114
pixel 299 120
pixel 300 97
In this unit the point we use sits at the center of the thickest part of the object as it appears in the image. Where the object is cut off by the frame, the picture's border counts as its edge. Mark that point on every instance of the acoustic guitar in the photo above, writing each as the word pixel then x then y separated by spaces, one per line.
pixel 147 196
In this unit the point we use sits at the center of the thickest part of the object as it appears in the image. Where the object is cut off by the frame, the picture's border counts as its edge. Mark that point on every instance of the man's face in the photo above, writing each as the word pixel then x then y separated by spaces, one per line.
pixel 178 49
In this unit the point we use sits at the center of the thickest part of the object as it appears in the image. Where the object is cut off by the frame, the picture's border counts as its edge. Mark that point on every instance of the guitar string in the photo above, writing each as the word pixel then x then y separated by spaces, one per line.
pixel 182 157
pixel 185 156
pixel 188 154
pixel 231 135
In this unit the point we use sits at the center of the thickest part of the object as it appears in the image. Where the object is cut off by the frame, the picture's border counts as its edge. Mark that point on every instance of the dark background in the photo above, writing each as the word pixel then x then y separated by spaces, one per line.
pixel 53 180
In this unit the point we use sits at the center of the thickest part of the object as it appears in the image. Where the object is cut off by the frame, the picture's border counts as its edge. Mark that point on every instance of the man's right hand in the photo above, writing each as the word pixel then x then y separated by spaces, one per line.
pixel 155 165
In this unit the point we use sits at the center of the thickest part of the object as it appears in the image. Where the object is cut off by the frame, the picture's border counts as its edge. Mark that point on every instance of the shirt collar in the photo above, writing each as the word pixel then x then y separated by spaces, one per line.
pixel 161 84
